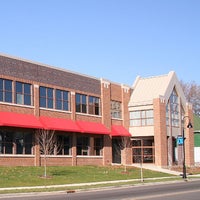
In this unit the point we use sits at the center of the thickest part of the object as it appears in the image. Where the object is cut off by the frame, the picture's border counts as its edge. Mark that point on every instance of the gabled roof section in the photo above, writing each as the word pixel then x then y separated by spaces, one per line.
pixel 147 89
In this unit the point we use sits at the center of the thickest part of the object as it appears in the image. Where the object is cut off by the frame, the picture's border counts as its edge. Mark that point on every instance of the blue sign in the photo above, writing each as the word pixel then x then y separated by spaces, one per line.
pixel 180 140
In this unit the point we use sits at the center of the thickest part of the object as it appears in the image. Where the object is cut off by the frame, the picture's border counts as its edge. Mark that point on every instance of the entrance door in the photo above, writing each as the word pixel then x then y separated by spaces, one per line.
pixel 143 150
pixel 116 150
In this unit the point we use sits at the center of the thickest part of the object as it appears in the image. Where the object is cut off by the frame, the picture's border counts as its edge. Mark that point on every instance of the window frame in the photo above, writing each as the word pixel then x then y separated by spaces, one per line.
pixel 6 91
pixel 116 109
pixel 25 96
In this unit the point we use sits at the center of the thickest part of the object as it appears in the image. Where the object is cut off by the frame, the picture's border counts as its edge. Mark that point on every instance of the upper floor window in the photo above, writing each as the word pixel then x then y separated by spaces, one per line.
pixel 23 93
pixel 141 118
pixel 62 100
pixel 87 104
pixel 116 109
pixel 81 103
pixel 172 110
pixel 94 105
pixel 46 97
pixel 6 90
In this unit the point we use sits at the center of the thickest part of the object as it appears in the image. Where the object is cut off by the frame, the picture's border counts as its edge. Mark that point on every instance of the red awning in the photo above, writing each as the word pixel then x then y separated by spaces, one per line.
pixel 59 124
pixel 19 120
pixel 92 127
pixel 118 130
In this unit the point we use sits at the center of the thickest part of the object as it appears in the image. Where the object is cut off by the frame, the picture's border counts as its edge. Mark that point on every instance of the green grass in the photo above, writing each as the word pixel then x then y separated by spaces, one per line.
pixel 33 176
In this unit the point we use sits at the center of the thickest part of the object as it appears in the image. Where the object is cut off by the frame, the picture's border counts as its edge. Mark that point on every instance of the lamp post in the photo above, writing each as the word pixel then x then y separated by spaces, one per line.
pixel 184 167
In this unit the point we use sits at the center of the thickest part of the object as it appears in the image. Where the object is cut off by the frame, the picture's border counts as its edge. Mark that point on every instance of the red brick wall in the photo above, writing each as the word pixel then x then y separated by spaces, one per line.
pixel 189 135
pixel 16 160
pixel 160 132
pixel 90 161
pixel 57 161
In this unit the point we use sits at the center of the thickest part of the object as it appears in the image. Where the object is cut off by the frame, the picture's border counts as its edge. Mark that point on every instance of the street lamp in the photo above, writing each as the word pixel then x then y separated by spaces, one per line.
pixel 184 167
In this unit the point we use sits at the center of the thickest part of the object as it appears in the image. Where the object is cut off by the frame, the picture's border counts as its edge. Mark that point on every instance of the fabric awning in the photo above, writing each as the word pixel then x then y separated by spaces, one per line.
pixel 92 127
pixel 19 120
pixel 59 124
pixel 118 130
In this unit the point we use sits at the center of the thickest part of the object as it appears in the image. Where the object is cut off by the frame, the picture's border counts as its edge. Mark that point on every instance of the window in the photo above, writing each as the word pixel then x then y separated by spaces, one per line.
pixel 23 93
pixel 98 146
pixel 15 143
pixel 6 90
pixel 141 118
pixel 83 145
pixel 81 103
pixel 65 143
pixel 62 100
pixel 46 97
pixel 172 110
pixel 143 150
pixel 94 105
pixel 116 109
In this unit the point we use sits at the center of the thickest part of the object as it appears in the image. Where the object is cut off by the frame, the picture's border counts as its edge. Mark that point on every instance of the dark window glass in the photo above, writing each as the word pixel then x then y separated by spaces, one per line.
pixel 82 145
pixel 6 90
pixel 23 93
pixel 42 92
pixel 19 87
pixel 62 100
pixel 1 84
pixel 46 97
pixel 8 97
pixel 8 85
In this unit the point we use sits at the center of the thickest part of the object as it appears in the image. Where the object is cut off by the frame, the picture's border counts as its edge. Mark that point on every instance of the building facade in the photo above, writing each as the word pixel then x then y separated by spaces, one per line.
pixel 85 114
pixel 95 121
pixel 159 115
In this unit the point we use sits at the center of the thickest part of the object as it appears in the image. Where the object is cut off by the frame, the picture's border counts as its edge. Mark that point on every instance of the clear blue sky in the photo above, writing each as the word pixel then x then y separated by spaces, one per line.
pixel 114 39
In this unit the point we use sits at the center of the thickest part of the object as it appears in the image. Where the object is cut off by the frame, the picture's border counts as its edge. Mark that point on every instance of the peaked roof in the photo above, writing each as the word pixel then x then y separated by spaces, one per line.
pixel 147 89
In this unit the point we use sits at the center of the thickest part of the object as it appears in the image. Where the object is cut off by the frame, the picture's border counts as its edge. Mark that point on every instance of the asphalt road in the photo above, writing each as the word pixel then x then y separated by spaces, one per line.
pixel 163 191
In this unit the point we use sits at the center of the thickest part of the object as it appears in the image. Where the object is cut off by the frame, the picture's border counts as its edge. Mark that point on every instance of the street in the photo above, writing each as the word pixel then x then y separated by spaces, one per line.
pixel 157 191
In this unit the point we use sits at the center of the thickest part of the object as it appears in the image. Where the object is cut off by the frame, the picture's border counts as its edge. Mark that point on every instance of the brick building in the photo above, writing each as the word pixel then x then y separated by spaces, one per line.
pixel 86 113
pixel 92 118
pixel 158 116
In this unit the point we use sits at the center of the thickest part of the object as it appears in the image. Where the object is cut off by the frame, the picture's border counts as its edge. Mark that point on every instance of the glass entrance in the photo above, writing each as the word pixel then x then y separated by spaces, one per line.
pixel 143 150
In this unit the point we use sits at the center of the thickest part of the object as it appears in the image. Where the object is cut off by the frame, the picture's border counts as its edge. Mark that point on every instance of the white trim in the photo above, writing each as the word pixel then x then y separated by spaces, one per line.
pixel 56 156
pixel 79 156
pixel 55 110
pixel 17 155
pixel 14 104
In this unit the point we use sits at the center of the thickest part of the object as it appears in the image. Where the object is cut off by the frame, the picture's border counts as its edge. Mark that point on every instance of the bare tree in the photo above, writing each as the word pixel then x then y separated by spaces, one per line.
pixel 49 145
pixel 125 144
pixel 120 148
pixel 192 94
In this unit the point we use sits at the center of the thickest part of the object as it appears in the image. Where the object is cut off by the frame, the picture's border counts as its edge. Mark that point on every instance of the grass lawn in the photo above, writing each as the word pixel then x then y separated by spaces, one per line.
pixel 33 176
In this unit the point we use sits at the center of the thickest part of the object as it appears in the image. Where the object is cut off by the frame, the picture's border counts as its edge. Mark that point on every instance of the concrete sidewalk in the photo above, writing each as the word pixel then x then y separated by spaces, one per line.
pixel 156 168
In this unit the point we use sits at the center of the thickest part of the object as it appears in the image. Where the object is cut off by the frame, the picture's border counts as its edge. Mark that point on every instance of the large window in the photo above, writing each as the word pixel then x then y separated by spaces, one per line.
pixel 90 146
pixel 54 99
pixel 172 110
pixel 94 105
pixel 23 93
pixel 141 118
pixel 6 90
pixel 46 97
pixel 65 143
pixel 62 100
pixel 143 150
pixel 116 109
pixel 87 104
pixel 83 145
pixel 15 143
pixel 81 103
